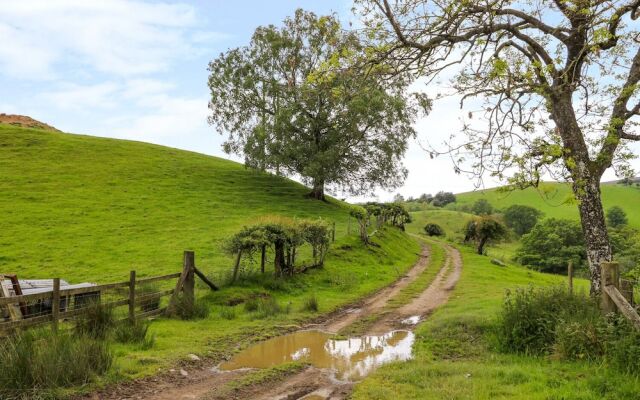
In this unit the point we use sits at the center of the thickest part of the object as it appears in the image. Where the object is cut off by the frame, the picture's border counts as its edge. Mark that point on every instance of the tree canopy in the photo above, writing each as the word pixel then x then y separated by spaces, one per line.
pixel 554 82
pixel 521 219
pixel 295 102
pixel 616 217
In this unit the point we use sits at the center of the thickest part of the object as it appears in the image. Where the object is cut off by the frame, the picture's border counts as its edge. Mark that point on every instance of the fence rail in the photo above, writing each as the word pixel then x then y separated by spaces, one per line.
pixel 58 306
pixel 614 298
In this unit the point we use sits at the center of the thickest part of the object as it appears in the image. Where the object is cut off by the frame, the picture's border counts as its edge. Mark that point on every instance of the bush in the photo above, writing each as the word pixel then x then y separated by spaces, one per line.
pixel 616 217
pixel 433 230
pixel 136 333
pixel 187 309
pixel 38 361
pixel 310 304
pixel 96 321
pixel 529 317
pixel 623 349
pixel 581 337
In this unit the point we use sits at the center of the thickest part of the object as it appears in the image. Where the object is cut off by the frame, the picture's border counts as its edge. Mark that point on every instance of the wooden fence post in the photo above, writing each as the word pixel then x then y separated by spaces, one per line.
pixel 132 297
pixel 609 276
pixel 189 268
pixel 55 304
pixel 570 275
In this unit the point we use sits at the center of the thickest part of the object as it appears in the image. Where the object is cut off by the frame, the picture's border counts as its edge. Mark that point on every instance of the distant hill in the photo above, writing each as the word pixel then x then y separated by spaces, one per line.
pixel 86 208
pixel 555 200
pixel 25 122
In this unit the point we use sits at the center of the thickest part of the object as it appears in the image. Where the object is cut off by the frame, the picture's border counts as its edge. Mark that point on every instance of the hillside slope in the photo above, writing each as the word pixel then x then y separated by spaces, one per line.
pixel 553 199
pixel 87 208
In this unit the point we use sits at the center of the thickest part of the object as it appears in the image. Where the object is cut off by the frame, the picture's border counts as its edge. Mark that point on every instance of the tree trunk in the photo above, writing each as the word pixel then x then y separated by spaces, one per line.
pixel 278 261
pixel 481 243
pixel 236 267
pixel 594 228
pixel 263 254
pixel 318 190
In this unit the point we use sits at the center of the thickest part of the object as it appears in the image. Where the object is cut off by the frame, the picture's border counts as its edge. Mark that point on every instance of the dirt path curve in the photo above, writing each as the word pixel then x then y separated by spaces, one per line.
pixel 316 384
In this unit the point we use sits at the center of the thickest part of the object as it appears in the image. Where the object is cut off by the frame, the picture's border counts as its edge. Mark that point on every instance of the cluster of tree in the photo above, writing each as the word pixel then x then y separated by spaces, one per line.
pixel 385 213
pixel 483 230
pixel 283 236
pixel 294 101
pixel 441 199
pixel 551 244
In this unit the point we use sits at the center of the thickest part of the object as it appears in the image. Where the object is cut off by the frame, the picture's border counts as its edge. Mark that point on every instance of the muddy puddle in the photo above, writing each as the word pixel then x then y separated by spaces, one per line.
pixel 350 359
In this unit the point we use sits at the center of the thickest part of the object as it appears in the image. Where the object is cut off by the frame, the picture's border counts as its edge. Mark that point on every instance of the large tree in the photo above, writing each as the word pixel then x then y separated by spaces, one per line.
pixel 556 82
pixel 294 102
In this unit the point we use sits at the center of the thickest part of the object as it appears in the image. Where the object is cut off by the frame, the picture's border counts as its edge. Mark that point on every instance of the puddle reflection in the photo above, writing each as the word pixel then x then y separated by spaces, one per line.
pixel 351 359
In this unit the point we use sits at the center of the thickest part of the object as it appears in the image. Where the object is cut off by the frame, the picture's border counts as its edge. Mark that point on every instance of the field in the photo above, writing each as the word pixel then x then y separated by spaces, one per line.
pixel 90 209
pixel 555 199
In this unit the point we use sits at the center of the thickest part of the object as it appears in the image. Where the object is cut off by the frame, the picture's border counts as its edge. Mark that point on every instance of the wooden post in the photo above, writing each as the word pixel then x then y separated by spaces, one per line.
pixel 609 271
pixel 55 304
pixel 189 266
pixel 132 297
pixel 333 233
pixel 570 275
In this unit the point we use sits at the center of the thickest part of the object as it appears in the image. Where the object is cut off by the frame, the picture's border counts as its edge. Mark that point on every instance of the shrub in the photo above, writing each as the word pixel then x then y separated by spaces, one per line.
pixel 187 309
pixel 38 361
pixel 433 230
pixel 96 321
pixel 529 317
pixel 623 349
pixel 616 217
pixel 137 333
pixel 581 337
pixel 310 304
pixel 521 219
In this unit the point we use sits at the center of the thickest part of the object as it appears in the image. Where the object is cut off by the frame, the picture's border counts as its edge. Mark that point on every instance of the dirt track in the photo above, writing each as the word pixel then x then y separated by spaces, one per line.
pixel 312 383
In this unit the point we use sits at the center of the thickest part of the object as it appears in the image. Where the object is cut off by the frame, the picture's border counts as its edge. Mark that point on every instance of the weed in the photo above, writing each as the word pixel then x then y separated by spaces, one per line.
pixel 96 321
pixel 137 333
pixel 310 304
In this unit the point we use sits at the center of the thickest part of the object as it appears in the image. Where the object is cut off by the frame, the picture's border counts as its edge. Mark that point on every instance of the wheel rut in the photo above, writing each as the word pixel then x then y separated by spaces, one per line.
pixel 311 383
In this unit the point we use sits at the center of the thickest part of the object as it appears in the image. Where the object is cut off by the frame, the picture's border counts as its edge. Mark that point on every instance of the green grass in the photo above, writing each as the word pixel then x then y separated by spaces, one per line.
pixel 91 209
pixel 454 356
pixel 555 200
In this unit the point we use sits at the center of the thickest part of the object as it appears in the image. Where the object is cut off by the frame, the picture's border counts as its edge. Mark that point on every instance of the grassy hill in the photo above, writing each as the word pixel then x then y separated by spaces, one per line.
pixel 87 208
pixel 555 200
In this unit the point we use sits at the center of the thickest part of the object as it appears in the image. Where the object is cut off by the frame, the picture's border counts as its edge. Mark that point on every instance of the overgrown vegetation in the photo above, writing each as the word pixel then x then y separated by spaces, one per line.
pixel 547 321
pixel 432 229
pixel 187 308
pixel 36 362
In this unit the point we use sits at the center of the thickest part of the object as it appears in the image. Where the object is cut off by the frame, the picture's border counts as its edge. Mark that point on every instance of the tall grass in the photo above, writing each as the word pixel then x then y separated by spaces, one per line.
pixel 34 362
pixel 135 333
pixel 188 309
pixel 96 321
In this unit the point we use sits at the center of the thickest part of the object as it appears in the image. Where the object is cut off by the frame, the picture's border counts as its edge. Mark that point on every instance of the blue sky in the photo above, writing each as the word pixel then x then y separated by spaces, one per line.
pixel 138 70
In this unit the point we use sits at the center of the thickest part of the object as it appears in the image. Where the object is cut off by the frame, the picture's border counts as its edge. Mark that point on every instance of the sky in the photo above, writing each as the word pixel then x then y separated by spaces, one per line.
pixel 138 70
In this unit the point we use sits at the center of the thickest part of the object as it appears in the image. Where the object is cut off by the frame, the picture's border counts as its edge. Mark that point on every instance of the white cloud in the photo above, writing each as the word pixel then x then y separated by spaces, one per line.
pixel 78 97
pixel 118 37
